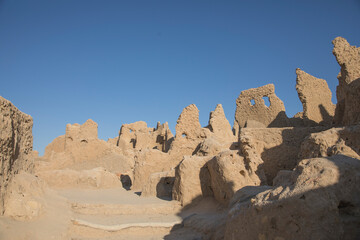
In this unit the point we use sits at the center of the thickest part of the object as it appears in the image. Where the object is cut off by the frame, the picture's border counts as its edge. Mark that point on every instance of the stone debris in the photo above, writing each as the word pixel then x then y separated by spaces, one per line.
pixel 267 177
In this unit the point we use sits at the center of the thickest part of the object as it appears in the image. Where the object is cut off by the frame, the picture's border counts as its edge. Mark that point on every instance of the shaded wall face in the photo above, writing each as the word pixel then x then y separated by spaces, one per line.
pixel 316 201
pixel 345 140
pixel 347 92
pixel 277 147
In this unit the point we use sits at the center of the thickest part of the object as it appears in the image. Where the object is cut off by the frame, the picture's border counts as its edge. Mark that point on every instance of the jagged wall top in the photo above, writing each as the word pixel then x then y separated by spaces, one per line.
pixel 315 96
pixel 348 91
pixel 348 58
pixel 85 132
pixel 219 125
pixel 188 124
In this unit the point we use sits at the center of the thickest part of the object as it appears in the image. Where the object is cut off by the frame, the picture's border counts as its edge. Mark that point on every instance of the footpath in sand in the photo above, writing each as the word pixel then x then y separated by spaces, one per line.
pixel 120 214
pixel 109 214
pixel 116 212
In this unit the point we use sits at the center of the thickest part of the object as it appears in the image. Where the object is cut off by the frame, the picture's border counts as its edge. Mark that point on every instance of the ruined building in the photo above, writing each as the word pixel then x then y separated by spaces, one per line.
pixel 269 176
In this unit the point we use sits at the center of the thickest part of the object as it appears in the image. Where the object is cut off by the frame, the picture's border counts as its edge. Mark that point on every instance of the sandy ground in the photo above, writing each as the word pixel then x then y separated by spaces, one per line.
pixel 103 214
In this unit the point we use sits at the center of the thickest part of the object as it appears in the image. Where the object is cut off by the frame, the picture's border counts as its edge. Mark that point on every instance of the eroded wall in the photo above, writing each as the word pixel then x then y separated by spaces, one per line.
pixel 16 142
pixel 250 105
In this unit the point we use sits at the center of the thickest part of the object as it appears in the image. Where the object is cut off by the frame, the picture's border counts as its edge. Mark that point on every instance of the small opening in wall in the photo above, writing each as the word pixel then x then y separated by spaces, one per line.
pixel 252 102
pixel 184 135
pixel 266 101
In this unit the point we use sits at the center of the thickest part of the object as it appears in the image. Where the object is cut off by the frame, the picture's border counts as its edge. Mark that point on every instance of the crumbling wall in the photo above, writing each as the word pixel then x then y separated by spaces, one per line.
pixel 192 180
pixel 230 172
pixel 188 132
pixel 68 178
pixel 160 184
pixel 81 133
pixel 81 148
pixel 56 146
pixel 188 125
pixel 16 143
pixel 278 148
pixel 139 136
pixel 343 140
pixel 318 200
pixel 219 125
pixel 315 96
pixel 149 161
pixel 188 136
pixel 191 139
pixel 250 105
pixel 348 90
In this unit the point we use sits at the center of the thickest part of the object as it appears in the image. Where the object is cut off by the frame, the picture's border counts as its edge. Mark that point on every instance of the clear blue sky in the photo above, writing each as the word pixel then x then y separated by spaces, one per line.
pixel 123 61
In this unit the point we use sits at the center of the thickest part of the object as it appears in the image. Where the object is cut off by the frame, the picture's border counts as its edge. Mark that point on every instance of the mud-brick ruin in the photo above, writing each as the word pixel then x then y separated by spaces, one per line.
pixel 266 177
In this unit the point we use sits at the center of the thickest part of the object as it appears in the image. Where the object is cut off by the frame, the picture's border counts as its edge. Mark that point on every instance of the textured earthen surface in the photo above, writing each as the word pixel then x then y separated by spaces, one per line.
pixel 15 144
pixel 192 180
pixel 344 140
pixel 68 178
pixel 230 172
pixel 188 125
pixel 250 105
pixel 278 148
pixel 188 136
pixel 150 161
pixel 80 146
pixel 219 125
pixel 318 200
pixel 347 92
pixel 189 132
pixel 160 184
pixel 25 199
pixel 315 96
pixel 139 136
